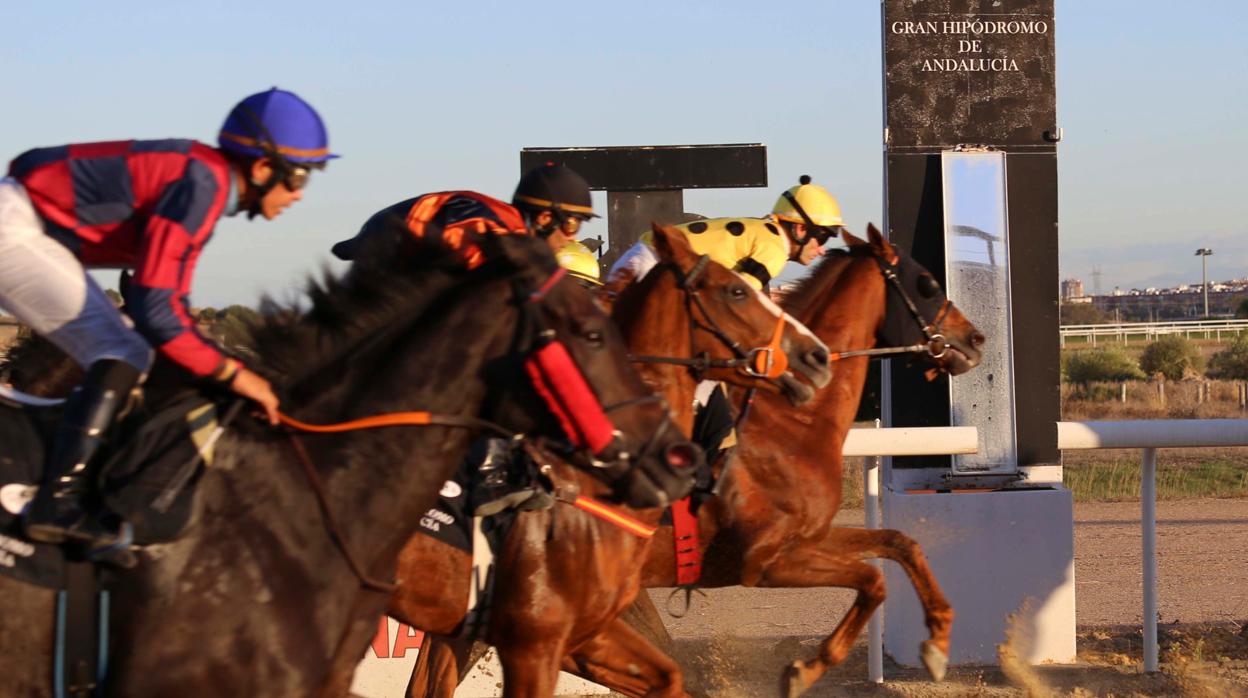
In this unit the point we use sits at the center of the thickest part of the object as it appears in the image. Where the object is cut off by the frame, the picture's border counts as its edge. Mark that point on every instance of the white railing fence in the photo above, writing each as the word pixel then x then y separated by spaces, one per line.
pixel 1149 331
pixel 1147 435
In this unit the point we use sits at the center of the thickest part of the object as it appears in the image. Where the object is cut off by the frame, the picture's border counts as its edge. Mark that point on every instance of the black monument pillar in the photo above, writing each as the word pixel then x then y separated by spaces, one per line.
pixel 978 75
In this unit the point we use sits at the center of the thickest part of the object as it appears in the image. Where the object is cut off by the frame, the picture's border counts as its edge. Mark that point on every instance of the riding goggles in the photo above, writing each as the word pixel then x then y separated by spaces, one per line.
pixel 569 223
pixel 296 177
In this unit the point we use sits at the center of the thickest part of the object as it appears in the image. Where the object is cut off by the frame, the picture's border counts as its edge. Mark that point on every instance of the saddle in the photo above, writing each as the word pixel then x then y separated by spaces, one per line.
pixel 148 478
pixel 477 508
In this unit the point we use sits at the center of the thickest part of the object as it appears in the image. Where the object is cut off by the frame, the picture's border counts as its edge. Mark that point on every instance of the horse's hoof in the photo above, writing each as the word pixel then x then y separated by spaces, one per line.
pixel 791 682
pixel 936 661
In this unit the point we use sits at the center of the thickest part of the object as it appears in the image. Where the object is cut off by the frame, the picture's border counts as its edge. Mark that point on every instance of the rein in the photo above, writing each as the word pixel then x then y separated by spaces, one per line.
pixel 371 422
pixel 760 362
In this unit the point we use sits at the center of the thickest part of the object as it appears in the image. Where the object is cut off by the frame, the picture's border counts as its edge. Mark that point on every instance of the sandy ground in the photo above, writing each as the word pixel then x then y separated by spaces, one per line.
pixel 735 641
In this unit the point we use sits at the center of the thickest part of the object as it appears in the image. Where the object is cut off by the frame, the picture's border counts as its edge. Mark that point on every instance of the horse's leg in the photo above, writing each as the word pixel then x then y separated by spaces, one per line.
pixel 624 661
pixel 837 561
pixel 437 670
pixel 531 669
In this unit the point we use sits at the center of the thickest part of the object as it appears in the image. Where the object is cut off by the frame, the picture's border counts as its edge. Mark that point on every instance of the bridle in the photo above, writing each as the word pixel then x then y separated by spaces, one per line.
pixel 934 346
pixel 768 361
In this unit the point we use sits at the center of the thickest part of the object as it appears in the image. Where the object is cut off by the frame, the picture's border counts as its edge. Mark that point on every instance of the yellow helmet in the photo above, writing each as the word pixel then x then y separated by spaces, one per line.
pixel 814 200
pixel 580 262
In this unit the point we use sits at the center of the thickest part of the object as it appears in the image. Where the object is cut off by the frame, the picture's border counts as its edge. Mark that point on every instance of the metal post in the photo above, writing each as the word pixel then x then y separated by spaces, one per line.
pixel 1204 283
pixel 1148 521
pixel 871 506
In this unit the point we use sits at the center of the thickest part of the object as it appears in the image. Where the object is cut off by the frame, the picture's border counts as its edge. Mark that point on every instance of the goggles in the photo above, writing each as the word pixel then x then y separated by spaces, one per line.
pixel 296 177
pixel 569 223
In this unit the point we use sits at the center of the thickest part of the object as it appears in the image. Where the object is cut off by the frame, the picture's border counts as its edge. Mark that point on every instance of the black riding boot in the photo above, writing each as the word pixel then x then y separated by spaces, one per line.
pixel 58 512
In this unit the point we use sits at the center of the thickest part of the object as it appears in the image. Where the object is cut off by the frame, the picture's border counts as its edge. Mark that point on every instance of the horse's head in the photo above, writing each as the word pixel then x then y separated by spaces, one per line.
pixel 576 365
pixel 738 333
pixel 916 310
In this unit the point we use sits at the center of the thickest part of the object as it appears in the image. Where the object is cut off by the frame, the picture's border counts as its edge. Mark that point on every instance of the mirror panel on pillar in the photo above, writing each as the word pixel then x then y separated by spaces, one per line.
pixel 977 280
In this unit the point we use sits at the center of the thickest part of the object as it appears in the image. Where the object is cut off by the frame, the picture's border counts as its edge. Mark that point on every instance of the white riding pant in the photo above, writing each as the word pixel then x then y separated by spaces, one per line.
pixel 45 286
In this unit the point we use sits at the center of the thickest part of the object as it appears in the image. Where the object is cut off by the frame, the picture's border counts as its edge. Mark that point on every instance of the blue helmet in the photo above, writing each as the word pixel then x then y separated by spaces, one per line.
pixel 276 123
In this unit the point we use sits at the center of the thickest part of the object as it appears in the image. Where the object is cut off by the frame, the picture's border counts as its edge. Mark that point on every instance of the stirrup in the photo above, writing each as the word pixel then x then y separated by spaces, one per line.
pixel 118 553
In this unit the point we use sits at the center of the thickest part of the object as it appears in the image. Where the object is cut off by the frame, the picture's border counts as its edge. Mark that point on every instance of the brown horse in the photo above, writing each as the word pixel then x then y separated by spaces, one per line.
pixel 771 523
pixel 212 614
pixel 564 576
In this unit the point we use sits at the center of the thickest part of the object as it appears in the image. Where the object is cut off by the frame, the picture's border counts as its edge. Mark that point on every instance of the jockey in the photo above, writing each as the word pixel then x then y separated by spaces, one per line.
pixel 802 221
pixel 150 206
pixel 551 202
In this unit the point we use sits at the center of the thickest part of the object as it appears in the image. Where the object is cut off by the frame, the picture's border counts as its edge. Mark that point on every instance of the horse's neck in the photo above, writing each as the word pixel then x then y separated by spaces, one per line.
pixel 845 317
pixel 655 322
pixel 380 481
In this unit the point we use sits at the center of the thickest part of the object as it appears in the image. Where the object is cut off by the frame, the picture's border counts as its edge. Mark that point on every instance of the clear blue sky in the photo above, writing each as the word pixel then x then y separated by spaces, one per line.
pixel 423 97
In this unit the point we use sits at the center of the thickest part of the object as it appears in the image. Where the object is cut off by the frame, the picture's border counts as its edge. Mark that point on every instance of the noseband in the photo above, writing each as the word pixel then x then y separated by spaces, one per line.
pixel 760 362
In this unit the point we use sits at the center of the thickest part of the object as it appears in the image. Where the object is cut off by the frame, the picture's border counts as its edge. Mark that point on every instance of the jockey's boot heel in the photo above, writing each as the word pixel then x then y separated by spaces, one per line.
pixel 58 512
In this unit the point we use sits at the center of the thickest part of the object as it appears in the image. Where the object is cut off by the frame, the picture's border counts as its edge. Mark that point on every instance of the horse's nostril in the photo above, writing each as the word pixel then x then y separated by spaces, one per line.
pixel 819 357
pixel 682 455
pixel 978 339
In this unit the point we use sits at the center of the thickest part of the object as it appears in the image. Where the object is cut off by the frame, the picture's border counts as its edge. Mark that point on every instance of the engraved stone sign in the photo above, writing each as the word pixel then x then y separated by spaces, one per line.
pixel 977 72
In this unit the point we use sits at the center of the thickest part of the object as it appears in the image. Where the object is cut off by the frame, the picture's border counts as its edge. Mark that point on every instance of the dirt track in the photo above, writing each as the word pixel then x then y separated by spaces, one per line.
pixel 740 639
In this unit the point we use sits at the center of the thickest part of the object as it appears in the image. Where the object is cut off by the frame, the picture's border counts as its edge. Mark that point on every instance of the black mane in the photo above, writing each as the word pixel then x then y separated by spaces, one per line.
pixel 382 293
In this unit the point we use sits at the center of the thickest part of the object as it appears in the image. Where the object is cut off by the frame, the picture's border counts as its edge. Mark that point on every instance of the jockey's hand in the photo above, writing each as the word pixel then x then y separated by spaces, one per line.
pixel 252 386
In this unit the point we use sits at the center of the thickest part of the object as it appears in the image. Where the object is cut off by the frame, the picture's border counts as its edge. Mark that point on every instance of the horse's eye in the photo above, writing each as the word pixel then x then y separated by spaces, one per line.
pixel 593 338
pixel 738 293
pixel 928 287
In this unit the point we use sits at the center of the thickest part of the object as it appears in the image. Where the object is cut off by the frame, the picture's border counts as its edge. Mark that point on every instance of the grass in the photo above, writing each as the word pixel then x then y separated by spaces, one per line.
pixel 1119 479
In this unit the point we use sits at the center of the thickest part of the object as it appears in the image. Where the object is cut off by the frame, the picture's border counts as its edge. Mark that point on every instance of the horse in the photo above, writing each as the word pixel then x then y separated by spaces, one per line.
pixel 564 576
pixel 268 593
pixel 770 523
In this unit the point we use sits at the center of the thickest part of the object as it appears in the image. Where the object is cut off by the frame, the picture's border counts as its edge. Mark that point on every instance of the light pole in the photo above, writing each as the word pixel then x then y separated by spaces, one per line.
pixel 1203 253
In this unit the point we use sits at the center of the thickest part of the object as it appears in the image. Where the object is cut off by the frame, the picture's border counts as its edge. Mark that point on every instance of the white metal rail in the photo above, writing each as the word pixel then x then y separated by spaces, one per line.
pixel 1121 331
pixel 1147 435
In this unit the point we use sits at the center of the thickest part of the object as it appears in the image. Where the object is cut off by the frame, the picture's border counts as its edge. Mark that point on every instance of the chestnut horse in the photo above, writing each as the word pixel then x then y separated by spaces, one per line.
pixel 770 524
pixel 564 576
pixel 258 598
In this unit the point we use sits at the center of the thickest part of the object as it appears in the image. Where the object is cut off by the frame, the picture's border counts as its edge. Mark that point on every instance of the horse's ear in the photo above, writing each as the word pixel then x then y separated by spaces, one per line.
pixel 850 239
pixel 672 246
pixel 881 245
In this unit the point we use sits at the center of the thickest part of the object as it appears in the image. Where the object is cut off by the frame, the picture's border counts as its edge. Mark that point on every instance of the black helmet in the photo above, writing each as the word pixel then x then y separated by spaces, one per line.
pixel 554 187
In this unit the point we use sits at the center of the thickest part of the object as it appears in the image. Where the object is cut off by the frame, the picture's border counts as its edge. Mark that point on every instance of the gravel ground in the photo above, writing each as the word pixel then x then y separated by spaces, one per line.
pixel 735 641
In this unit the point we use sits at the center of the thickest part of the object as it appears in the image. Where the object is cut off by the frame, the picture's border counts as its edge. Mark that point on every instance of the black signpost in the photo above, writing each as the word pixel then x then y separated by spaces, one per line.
pixel 647 183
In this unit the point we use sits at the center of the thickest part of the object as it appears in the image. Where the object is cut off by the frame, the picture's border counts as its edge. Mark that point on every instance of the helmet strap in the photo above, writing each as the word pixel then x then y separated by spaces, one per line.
pixel 811 227
pixel 544 231
pixel 279 166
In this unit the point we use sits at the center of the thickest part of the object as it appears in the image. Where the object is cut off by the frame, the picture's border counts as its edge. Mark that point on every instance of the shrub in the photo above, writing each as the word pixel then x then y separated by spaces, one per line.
pixel 1232 362
pixel 1100 365
pixel 1172 356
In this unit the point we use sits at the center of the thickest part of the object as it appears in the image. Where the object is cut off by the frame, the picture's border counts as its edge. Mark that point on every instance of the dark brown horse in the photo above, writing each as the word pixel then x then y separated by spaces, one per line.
pixel 257 599
pixel 564 576
pixel 771 523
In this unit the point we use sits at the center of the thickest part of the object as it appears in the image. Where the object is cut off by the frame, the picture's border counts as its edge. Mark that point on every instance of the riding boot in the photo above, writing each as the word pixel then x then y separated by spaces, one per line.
pixel 59 510
pixel 496 487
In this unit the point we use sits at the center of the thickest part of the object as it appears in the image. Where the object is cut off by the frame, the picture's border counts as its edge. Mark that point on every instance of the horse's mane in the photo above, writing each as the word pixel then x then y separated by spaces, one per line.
pixel 380 295
pixel 808 293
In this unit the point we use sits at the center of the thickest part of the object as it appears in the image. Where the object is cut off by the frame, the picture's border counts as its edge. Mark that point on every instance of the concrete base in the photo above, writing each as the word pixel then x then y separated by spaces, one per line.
pixel 994 554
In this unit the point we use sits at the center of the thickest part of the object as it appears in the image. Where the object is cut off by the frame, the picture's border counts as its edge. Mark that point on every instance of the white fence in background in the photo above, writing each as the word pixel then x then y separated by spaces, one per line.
pixel 1147 435
pixel 1149 331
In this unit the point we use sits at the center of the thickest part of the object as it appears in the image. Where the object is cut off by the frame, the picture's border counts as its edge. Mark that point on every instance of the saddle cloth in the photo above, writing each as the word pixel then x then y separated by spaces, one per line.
pixel 149 477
